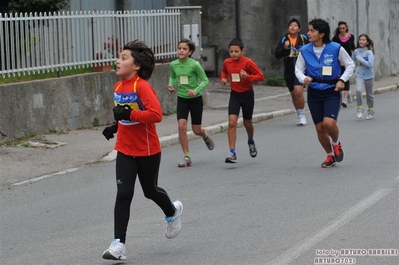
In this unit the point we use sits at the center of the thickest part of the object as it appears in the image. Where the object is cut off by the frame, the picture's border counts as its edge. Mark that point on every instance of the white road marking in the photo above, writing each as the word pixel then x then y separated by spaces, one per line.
pixel 45 176
pixel 303 246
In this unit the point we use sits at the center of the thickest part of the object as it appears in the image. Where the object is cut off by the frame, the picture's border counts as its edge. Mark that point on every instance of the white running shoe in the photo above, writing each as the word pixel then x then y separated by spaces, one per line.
pixel 301 119
pixel 359 113
pixel 208 141
pixel 369 117
pixel 116 251
pixel 252 150
pixel 344 103
pixel 173 223
pixel 186 162
pixel 232 158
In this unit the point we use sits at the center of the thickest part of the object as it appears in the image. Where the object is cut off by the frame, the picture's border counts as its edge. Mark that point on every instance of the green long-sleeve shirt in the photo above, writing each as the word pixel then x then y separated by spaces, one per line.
pixel 187 74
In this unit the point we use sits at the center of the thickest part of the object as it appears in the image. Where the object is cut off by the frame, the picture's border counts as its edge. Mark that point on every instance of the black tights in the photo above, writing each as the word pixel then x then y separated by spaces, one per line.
pixel 127 169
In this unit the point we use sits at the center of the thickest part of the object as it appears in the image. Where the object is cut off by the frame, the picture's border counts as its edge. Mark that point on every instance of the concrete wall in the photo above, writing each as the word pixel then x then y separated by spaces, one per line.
pixel 74 102
pixel 68 103
pixel 261 23
pixel 378 19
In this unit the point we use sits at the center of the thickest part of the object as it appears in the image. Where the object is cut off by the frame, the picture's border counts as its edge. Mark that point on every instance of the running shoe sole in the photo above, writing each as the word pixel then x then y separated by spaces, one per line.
pixel 328 166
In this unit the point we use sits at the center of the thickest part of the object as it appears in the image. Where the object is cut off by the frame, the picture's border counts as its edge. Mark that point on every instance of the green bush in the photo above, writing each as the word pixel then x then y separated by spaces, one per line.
pixel 275 81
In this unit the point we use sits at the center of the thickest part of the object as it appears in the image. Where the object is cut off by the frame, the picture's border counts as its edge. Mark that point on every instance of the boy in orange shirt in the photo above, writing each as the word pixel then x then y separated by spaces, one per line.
pixel 136 111
pixel 241 71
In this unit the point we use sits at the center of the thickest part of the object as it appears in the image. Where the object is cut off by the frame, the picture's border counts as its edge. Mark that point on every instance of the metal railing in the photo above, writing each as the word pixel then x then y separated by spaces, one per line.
pixel 31 43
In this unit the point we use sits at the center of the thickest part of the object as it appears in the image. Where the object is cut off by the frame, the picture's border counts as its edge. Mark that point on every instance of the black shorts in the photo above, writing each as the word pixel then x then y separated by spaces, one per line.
pixel 291 81
pixel 245 100
pixel 194 106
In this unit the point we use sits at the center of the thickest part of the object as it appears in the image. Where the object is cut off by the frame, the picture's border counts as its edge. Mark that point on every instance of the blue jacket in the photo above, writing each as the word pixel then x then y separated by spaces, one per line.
pixel 328 61
pixel 364 61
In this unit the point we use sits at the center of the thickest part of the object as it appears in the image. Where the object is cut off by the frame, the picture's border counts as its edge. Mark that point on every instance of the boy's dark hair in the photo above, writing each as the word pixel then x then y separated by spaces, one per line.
pixel 190 44
pixel 236 42
pixel 294 20
pixel 142 56
pixel 321 26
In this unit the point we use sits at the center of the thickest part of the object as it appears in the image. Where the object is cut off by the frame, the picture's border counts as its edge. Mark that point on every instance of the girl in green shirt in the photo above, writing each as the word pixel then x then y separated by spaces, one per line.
pixel 186 72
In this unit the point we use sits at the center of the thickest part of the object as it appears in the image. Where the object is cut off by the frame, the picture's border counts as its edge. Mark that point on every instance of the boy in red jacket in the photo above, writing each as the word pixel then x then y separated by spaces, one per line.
pixel 136 111
pixel 241 71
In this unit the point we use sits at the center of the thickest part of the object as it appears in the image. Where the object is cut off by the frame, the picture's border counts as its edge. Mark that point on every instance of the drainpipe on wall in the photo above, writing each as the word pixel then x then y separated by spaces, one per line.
pixel 357 18
pixel 238 20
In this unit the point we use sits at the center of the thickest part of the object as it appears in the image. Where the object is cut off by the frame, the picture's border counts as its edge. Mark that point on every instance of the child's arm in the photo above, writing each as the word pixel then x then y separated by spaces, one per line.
pixel 354 56
pixel 172 79
pixel 370 59
pixel 202 76
pixel 152 112
pixel 281 50
pixel 223 75
pixel 254 73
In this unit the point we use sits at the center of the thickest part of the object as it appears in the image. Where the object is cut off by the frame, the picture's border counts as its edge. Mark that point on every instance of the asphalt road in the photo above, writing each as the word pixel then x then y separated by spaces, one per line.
pixel 277 208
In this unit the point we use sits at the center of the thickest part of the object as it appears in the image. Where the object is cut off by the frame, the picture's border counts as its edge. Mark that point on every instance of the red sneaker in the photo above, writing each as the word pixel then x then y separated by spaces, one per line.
pixel 329 162
pixel 338 152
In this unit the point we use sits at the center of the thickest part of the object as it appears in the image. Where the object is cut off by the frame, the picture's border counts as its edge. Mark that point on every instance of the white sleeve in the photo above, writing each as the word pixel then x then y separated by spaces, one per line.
pixel 348 62
pixel 300 68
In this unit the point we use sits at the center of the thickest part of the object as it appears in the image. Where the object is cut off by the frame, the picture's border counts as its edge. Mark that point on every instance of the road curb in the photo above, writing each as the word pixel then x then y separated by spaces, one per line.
pixel 173 139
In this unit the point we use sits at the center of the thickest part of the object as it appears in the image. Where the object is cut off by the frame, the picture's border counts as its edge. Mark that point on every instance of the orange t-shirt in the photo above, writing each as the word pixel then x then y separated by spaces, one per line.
pixel 292 40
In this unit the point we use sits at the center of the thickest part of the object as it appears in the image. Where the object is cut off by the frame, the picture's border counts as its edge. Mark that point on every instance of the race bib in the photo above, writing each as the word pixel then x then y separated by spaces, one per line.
pixel 184 80
pixel 235 77
pixel 326 70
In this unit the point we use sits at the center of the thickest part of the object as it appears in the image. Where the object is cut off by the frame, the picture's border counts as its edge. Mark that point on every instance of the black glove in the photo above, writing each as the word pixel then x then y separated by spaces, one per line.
pixel 122 112
pixel 109 131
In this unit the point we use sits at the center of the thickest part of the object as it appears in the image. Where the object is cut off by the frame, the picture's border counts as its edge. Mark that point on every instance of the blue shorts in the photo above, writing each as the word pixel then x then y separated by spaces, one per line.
pixel 291 81
pixel 194 106
pixel 324 103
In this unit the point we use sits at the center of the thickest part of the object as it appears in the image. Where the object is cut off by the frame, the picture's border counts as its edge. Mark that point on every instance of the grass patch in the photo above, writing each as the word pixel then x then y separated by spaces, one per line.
pixel 96 121
pixel 53 131
pixel 23 141
pixel 275 81
pixel 169 112
pixel 45 75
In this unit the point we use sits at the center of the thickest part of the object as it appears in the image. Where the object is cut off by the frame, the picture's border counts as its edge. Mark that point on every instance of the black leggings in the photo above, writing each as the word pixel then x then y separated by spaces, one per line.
pixel 146 168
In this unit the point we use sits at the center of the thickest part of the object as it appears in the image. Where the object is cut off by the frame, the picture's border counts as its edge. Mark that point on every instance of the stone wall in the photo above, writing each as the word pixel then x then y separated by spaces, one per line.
pixel 378 19
pixel 261 23
pixel 68 103
pixel 75 102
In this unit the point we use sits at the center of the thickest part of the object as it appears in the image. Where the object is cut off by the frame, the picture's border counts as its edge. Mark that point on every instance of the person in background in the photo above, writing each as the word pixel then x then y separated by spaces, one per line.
pixel 347 41
pixel 241 71
pixel 186 72
pixel 363 57
pixel 136 111
pixel 288 48
pixel 318 66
